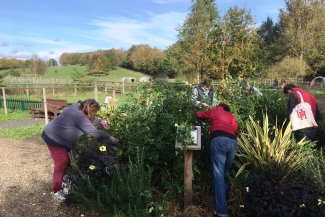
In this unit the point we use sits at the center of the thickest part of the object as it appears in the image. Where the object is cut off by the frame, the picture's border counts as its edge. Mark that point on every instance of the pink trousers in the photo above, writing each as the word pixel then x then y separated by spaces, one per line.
pixel 60 158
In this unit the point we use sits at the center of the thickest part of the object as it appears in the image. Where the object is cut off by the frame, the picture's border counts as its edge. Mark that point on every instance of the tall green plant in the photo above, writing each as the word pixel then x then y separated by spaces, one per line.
pixel 261 146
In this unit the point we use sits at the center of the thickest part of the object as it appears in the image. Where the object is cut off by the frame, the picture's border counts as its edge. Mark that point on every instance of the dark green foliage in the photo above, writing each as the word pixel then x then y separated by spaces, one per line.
pixel 244 104
pixel 113 187
pixel 268 193
pixel 148 121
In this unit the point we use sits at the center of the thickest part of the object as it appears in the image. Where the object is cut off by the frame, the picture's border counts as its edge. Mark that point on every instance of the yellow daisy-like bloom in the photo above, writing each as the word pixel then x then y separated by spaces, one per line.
pixel 92 167
pixel 247 189
pixel 102 148
pixel 242 206
pixel 302 205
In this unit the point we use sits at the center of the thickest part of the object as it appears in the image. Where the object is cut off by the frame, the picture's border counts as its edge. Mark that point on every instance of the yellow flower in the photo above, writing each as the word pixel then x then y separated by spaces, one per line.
pixel 242 206
pixel 92 167
pixel 102 148
pixel 247 189
pixel 302 205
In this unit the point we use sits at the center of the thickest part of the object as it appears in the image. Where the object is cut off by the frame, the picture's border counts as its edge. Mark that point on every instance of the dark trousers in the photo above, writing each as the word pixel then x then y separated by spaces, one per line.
pixel 309 133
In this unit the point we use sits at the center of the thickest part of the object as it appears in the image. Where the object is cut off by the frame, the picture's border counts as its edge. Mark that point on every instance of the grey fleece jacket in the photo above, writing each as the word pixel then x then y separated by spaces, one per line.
pixel 66 129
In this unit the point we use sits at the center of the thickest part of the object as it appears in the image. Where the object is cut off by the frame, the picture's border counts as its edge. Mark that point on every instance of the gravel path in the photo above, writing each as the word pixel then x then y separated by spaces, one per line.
pixel 26 176
pixel 21 123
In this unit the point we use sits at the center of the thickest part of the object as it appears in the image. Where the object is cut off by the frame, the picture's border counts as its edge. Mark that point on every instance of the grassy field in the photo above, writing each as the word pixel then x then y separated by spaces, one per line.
pixel 67 72
pixel 21 132
pixel 13 115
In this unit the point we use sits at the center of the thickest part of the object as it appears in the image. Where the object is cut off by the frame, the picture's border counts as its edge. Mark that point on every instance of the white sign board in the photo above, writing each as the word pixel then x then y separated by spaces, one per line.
pixel 196 136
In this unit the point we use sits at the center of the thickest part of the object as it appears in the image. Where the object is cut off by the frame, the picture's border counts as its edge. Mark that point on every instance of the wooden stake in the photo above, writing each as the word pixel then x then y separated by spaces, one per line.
pixel 45 107
pixel 188 175
pixel 4 100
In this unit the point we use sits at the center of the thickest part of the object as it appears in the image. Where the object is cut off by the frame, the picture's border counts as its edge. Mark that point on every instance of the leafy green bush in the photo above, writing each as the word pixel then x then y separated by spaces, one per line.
pixel 99 180
pixel 243 104
pixel 289 67
pixel 148 121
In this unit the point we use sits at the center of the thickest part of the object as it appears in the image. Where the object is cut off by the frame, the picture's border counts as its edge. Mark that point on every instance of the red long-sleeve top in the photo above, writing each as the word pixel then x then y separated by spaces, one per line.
pixel 220 120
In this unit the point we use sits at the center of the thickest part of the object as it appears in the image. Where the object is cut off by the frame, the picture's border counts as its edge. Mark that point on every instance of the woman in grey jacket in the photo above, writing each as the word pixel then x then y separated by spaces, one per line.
pixel 62 133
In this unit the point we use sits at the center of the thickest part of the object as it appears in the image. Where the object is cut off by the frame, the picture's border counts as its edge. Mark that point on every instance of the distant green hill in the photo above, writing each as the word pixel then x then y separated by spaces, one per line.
pixel 66 72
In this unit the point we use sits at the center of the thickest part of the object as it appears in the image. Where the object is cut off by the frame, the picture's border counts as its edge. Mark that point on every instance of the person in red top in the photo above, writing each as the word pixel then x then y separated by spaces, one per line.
pixel 223 130
pixel 292 92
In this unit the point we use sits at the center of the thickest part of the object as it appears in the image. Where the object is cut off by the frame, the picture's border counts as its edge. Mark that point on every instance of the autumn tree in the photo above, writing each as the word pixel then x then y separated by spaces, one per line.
pixel 99 63
pixel 145 59
pixel 37 66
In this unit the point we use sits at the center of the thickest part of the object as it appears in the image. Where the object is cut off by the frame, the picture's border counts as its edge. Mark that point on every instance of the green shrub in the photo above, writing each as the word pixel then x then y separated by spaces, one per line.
pixel 288 67
pixel 114 188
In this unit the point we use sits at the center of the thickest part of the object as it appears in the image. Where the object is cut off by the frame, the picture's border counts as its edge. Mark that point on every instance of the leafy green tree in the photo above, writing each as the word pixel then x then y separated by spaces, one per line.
pixel 193 56
pixel 270 50
pixel 236 44
pixel 303 25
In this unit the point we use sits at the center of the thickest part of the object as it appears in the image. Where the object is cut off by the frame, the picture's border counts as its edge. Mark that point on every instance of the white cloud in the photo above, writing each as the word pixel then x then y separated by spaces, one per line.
pixel 157 30
pixel 45 48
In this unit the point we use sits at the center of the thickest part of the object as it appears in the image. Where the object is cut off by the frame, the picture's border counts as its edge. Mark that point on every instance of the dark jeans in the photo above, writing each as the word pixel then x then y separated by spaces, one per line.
pixel 309 133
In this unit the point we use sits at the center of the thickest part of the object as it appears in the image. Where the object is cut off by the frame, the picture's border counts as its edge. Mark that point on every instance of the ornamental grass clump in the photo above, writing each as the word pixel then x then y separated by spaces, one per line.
pixel 259 146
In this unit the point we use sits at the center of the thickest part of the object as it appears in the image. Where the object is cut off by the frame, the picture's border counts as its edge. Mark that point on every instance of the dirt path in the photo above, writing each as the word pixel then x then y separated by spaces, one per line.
pixel 25 177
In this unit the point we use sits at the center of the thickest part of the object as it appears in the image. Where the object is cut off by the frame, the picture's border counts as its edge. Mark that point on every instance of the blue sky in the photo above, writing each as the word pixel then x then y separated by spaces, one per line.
pixel 49 28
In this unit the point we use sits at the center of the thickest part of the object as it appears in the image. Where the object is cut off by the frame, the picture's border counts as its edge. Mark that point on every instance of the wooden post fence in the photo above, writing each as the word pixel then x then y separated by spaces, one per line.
pixel 27 91
pixel 4 100
pixel 75 90
pixel 45 107
pixel 96 92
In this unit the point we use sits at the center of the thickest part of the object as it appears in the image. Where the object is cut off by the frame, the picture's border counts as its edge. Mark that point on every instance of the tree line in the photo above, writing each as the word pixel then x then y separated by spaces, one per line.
pixel 228 46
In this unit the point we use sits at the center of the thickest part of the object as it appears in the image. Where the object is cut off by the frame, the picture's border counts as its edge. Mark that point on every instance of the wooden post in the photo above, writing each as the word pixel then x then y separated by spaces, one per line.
pixel 123 87
pixel 53 91
pixel 27 91
pixel 96 92
pixel 45 107
pixel 188 175
pixel 75 90
pixel 4 100
pixel 113 94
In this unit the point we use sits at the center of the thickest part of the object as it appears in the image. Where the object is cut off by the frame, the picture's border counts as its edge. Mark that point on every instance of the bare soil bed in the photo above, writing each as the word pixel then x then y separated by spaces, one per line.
pixel 26 182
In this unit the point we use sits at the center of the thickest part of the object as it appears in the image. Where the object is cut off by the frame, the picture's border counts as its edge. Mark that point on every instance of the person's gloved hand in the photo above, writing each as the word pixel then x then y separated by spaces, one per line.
pixel 104 124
